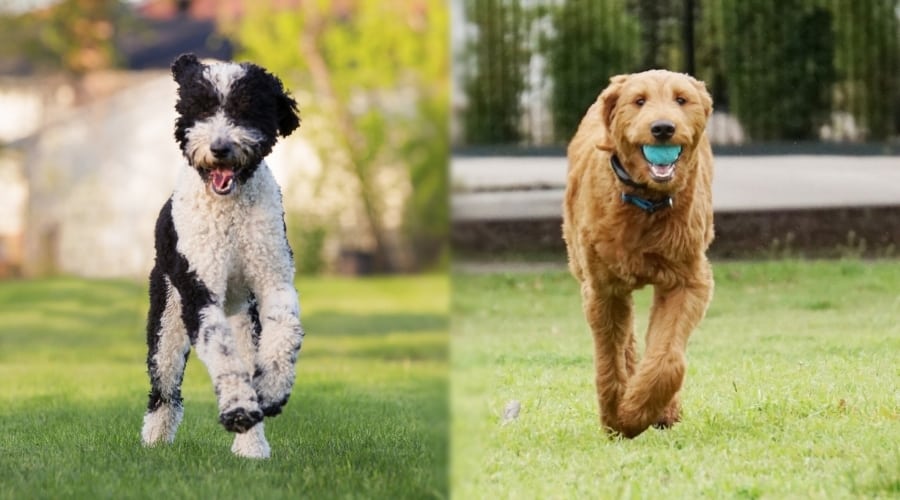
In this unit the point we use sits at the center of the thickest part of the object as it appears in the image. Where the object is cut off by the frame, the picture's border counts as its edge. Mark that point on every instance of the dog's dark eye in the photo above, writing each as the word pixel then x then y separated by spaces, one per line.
pixel 680 100
pixel 640 101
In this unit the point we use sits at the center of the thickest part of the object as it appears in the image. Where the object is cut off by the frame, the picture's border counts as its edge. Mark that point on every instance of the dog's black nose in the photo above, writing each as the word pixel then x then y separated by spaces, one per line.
pixel 220 149
pixel 662 129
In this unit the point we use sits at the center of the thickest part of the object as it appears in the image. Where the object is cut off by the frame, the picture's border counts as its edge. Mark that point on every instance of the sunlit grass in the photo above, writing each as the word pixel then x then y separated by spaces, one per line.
pixel 792 391
pixel 368 417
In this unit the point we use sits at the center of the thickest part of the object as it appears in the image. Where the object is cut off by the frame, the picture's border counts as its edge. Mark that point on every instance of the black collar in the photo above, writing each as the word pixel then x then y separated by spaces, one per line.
pixel 644 204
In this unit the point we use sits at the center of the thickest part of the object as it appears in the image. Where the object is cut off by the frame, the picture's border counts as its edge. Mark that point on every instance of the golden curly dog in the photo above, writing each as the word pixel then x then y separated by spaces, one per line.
pixel 638 211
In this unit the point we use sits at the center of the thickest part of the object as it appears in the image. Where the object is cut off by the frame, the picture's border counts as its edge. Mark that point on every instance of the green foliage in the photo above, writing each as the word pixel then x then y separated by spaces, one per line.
pixel 73 35
pixel 791 390
pixel 783 68
pixel 659 35
pixel 307 240
pixel 494 65
pixel 379 76
pixel 868 63
pixel 779 57
pixel 591 41
pixel 708 46
pixel 368 417
pixel 427 220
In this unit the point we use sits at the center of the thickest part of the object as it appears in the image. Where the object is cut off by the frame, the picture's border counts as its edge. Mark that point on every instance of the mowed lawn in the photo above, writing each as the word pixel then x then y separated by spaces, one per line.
pixel 368 417
pixel 792 391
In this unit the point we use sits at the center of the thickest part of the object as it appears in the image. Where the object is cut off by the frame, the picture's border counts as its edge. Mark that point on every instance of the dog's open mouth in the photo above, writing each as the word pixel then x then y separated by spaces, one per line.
pixel 661 159
pixel 221 180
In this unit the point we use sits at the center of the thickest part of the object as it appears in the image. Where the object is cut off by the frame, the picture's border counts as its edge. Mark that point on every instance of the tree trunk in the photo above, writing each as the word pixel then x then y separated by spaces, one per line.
pixel 349 136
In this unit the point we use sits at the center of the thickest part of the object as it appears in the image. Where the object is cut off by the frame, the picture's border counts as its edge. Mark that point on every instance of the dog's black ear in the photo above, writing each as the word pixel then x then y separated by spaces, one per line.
pixel 607 103
pixel 288 118
pixel 288 115
pixel 186 67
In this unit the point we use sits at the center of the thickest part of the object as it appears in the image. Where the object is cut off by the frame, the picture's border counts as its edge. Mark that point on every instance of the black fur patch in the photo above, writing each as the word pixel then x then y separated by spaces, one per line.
pixel 194 293
pixel 272 410
pixel 197 97
pixel 259 100
pixel 157 306
pixel 194 296
pixel 253 312
pixel 287 243
pixel 240 420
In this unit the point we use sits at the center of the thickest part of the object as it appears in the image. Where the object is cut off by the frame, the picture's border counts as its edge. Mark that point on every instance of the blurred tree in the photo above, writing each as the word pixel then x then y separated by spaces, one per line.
pixel 660 36
pixel 779 58
pixel 379 73
pixel 688 18
pixel 782 67
pixel 494 64
pixel 73 35
pixel 868 64
pixel 591 41
pixel 708 43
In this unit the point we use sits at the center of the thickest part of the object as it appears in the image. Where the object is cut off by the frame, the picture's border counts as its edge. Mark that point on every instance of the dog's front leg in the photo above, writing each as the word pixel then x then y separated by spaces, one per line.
pixel 611 320
pixel 279 345
pixel 215 345
pixel 652 394
pixel 253 443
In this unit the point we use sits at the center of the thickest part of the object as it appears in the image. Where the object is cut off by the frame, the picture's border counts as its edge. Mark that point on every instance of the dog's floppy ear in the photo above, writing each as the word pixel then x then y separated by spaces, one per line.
pixel 705 98
pixel 288 115
pixel 186 67
pixel 607 106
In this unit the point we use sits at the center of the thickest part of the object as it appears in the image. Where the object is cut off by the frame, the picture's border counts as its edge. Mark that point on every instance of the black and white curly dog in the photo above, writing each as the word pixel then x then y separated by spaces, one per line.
pixel 224 274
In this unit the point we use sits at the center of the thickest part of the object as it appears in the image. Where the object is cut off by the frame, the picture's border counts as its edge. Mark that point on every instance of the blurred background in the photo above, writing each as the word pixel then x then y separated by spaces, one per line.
pixel 806 128
pixel 87 154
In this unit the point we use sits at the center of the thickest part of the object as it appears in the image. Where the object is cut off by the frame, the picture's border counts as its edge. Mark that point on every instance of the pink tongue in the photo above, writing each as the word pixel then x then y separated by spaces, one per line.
pixel 221 177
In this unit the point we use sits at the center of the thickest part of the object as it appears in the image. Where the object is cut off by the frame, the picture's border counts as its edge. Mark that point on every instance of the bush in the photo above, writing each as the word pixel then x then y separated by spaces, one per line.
pixel 779 58
pixel 494 75
pixel 591 41
pixel 307 242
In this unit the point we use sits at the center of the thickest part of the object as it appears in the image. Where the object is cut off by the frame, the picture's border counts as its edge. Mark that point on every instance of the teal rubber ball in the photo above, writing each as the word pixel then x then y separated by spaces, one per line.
pixel 661 155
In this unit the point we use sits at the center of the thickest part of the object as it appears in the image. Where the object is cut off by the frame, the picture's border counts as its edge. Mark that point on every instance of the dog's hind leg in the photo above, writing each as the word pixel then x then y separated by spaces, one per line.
pixel 168 348
pixel 652 394
pixel 611 320
pixel 245 325
pixel 279 345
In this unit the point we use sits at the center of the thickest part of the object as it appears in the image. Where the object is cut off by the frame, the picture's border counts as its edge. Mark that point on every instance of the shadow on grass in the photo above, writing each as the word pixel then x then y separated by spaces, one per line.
pixel 49 311
pixel 387 337
pixel 71 320
pixel 333 441
pixel 341 323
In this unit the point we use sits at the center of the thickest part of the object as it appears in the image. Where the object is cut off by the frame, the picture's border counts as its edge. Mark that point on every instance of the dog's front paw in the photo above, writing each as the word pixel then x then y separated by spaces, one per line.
pixel 272 408
pixel 240 419
pixel 671 415
pixel 273 387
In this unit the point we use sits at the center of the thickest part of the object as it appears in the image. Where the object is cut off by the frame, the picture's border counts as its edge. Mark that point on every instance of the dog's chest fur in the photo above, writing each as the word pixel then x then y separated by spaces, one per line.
pixel 227 241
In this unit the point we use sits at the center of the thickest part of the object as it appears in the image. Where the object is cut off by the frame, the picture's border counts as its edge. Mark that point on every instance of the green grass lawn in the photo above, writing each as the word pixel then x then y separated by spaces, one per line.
pixel 792 391
pixel 368 417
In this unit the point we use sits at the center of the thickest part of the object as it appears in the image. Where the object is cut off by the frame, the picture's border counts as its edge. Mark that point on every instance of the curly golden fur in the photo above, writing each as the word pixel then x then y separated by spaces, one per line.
pixel 615 247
